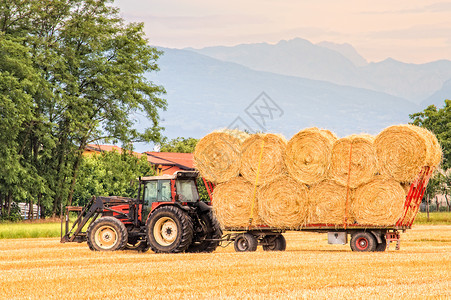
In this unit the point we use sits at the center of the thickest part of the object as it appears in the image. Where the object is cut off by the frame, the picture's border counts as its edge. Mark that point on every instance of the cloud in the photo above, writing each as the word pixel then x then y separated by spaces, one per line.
pixel 414 32
pixel 198 22
pixel 432 8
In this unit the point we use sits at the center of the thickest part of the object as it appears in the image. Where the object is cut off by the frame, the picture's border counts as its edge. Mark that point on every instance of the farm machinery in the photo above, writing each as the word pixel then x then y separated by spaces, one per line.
pixel 168 217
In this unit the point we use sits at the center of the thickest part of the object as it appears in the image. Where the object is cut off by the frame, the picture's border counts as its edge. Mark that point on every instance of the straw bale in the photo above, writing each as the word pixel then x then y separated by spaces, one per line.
pixel 308 153
pixel 406 187
pixel 328 203
pixel 232 203
pixel 217 155
pixel 353 167
pixel 379 202
pixel 435 150
pixel 240 135
pixel 402 150
pixel 283 203
pixel 272 164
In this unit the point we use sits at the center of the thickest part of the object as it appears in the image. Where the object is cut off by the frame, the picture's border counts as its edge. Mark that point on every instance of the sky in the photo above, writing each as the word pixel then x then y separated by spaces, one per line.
pixel 415 31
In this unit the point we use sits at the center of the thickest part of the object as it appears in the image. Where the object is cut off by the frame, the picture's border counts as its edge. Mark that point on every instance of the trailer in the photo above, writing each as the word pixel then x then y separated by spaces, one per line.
pixel 363 238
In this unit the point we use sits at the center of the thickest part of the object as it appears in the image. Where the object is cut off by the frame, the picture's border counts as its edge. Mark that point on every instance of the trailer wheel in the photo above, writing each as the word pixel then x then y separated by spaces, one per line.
pixel 277 243
pixel 169 230
pixel 207 237
pixel 363 242
pixel 245 242
pixel 382 246
pixel 107 234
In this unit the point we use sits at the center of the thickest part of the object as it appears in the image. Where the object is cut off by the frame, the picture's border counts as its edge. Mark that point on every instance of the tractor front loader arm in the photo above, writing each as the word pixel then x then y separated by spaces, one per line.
pixel 86 214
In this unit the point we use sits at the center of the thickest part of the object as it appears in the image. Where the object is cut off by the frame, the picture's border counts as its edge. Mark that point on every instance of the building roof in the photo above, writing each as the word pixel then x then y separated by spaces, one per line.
pixel 182 160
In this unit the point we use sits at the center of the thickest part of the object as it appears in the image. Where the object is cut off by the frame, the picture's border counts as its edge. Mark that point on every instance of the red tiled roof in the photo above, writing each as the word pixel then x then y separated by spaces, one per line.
pixel 171 159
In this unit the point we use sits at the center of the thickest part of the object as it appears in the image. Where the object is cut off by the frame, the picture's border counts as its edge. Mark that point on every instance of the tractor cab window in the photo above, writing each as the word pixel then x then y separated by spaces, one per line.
pixel 164 189
pixel 150 192
pixel 157 191
pixel 187 191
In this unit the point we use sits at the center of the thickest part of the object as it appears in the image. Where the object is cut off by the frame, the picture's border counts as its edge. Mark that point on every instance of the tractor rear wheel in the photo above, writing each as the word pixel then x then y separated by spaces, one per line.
pixel 274 243
pixel 363 242
pixel 107 234
pixel 169 230
pixel 246 242
pixel 207 236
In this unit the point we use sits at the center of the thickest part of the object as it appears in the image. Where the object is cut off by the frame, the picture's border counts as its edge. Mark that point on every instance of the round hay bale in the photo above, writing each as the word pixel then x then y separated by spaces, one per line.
pixel 217 155
pixel 379 202
pixel 283 203
pixel 435 150
pixel 353 166
pixel 232 203
pixel 328 203
pixel 271 165
pixel 308 153
pixel 402 150
pixel 406 187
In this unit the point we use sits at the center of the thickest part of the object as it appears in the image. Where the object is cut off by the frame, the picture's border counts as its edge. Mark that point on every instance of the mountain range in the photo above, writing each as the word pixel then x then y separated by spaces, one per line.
pixel 291 85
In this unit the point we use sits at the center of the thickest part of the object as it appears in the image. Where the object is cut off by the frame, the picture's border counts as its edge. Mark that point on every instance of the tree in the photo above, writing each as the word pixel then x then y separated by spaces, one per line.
pixel 180 145
pixel 91 68
pixel 439 122
pixel 110 174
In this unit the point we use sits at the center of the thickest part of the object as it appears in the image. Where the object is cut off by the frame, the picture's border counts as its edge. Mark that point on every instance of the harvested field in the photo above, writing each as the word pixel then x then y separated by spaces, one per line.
pixel 310 268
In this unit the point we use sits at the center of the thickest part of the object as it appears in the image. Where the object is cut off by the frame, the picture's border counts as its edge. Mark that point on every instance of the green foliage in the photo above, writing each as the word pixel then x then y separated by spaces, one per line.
pixel 71 73
pixel 13 216
pixel 21 230
pixel 180 145
pixel 435 218
pixel 439 122
pixel 110 174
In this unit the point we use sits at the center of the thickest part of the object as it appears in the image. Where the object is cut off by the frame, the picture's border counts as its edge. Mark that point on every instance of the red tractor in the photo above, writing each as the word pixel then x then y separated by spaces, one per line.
pixel 167 217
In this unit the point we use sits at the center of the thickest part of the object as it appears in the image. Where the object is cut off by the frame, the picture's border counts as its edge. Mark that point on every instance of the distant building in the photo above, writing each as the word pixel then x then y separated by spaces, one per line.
pixel 163 162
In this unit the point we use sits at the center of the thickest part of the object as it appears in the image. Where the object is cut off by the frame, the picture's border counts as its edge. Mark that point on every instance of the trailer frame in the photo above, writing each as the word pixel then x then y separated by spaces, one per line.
pixel 383 235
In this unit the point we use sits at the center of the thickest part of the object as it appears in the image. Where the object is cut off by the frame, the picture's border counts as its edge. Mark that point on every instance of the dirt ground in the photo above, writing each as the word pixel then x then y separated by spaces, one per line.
pixel 308 269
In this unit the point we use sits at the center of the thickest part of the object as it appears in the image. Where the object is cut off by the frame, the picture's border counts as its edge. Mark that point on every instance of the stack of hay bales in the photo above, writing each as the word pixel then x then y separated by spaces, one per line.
pixel 314 178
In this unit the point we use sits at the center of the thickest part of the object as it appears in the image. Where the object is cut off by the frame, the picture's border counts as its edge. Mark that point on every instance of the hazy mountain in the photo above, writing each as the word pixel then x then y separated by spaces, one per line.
pixel 411 81
pixel 204 94
pixel 347 51
pixel 438 98
pixel 339 64
pixel 297 57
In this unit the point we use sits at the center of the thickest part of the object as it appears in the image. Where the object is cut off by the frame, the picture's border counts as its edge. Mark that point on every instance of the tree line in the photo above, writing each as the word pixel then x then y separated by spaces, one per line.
pixel 438 120
pixel 71 73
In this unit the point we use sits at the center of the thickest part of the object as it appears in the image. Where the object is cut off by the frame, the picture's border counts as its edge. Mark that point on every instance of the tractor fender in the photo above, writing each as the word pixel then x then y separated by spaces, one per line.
pixel 186 209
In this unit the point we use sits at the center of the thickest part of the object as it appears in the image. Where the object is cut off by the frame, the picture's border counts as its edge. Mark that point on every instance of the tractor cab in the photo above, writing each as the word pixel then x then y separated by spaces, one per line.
pixel 180 187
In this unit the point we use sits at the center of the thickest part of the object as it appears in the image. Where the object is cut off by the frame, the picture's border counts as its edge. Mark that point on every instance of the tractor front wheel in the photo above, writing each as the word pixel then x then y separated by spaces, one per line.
pixel 169 230
pixel 107 234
